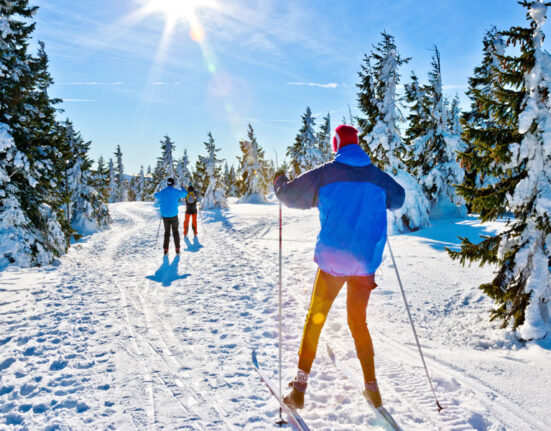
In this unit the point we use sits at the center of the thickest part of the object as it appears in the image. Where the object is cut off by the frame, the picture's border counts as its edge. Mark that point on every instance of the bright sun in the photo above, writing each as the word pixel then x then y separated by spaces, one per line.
pixel 178 9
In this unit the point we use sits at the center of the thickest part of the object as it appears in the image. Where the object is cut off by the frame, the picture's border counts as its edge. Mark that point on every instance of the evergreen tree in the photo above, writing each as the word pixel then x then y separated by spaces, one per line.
pixel 88 213
pixel 324 139
pixel 417 119
pixel 101 180
pixel 214 196
pixel 305 153
pixel 199 177
pixel 433 159
pixel 120 193
pixel 515 148
pixel 379 129
pixel 165 167
pixel 481 86
pixel 33 232
pixel 252 169
pixel 230 179
pixel 112 178
pixel 182 170
pixel 140 186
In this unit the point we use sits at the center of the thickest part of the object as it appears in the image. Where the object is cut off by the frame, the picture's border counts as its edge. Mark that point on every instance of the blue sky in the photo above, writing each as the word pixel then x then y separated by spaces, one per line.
pixel 126 81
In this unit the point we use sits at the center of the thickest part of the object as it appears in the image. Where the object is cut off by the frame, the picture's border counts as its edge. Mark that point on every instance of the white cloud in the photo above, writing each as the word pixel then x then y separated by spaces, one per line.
pixel 315 84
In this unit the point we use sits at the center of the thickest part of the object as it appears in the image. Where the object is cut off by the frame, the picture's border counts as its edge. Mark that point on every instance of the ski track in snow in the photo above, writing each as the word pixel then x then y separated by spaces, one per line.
pixel 115 337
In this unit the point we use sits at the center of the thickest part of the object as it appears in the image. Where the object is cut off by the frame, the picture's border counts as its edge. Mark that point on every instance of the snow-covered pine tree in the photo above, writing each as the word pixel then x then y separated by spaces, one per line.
pixel 433 159
pixel 454 118
pixel 476 163
pixel 29 169
pixel 214 196
pixel 121 188
pixel 138 187
pixel 101 180
pixel 517 150
pixel 252 170
pixel 380 134
pixel 324 139
pixel 304 154
pixel 165 167
pixel 88 213
pixel 230 179
pixel 417 118
pixel 149 185
pixel 199 177
pixel 182 170
pixel 112 181
pixel 17 235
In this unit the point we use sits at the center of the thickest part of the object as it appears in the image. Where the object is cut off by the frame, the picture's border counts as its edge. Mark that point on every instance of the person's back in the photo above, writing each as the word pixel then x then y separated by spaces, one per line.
pixel 168 202
pixel 191 211
pixel 352 197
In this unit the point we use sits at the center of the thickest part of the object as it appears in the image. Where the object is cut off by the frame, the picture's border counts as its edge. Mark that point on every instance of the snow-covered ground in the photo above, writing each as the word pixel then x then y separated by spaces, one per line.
pixel 115 337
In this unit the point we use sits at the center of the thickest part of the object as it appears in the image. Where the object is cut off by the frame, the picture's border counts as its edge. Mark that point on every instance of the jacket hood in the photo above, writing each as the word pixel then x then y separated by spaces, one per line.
pixel 352 155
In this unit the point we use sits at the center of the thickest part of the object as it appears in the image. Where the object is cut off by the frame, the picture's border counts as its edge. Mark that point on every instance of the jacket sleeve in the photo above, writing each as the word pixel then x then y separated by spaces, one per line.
pixel 183 193
pixel 157 195
pixel 395 193
pixel 302 192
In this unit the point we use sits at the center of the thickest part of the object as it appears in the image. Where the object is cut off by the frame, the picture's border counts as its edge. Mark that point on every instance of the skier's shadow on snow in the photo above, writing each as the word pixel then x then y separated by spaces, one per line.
pixel 194 246
pixel 168 272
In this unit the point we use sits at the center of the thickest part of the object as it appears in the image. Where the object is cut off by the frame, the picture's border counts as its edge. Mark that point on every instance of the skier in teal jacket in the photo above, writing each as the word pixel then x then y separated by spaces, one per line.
pixel 168 201
pixel 352 196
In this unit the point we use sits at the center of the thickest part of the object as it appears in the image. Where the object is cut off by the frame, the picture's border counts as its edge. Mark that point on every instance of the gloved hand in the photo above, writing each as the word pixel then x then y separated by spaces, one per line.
pixel 278 174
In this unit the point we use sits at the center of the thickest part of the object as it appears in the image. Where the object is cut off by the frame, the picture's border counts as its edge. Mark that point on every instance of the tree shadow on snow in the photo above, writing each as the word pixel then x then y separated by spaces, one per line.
pixel 217 215
pixel 447 232
pixel 168 272
pixel 194 246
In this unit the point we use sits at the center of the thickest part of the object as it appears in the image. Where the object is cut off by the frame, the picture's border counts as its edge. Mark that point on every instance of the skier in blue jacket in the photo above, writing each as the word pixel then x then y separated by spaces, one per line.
pixel 352 196
pixel 168 201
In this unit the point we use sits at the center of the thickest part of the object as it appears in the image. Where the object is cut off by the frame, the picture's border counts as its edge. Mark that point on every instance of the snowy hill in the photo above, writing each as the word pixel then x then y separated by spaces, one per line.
pixel 115 337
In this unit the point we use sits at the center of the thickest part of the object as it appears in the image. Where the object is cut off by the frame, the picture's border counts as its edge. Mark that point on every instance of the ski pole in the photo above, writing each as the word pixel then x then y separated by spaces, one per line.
pixel 438 406
pixel 281 421
pixel 158 229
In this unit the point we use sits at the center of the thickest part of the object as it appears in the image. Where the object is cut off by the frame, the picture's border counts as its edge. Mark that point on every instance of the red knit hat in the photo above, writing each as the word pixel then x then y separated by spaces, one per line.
pixel 344 135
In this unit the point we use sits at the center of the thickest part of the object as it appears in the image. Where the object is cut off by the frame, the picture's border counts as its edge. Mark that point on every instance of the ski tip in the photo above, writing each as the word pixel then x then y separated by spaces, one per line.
pixel 255 360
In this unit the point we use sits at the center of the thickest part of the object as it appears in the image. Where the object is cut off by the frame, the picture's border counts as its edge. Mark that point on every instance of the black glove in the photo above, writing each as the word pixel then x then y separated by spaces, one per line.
pixel 278 174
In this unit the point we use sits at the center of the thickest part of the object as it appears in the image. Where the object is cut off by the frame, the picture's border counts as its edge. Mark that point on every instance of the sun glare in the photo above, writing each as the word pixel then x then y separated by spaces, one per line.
pixel 178 9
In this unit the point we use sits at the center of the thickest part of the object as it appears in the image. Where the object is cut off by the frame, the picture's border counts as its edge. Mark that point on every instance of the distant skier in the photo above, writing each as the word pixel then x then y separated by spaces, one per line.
pixel 168 199
pixel 191 210
pixel 352 196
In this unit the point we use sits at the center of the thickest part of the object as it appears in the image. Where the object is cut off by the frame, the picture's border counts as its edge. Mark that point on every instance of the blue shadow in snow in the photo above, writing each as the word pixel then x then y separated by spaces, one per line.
pixel 194 246
pixel 168 272
pixel 446 232
pixel 217 215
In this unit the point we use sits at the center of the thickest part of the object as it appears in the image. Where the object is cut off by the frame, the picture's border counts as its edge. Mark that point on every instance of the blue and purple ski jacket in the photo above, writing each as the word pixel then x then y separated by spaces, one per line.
pixel 352 196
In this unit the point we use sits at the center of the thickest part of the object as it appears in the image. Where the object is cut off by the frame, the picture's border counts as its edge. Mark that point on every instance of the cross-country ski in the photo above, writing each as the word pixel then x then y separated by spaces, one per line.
pixel 294 419
pixel 186 182
pixel 381 412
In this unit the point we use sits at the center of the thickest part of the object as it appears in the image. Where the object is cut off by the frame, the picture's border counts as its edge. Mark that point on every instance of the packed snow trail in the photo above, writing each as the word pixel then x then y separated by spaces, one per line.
pixel 116 337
